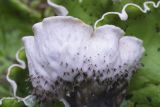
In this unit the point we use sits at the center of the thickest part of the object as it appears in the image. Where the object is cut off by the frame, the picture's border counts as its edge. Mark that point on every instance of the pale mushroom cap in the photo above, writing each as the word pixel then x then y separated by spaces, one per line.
pixel 64 48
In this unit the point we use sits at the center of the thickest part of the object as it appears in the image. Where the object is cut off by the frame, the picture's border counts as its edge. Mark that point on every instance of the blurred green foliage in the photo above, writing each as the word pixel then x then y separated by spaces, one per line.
pixel 16 20
pixel 12 27
pixel 18 16
pixel 12 103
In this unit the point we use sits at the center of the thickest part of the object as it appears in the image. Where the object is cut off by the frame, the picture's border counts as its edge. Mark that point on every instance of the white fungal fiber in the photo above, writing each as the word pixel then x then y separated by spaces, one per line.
pixel 123 14
pixel 59 10
pixel 29 100
pixel 65 53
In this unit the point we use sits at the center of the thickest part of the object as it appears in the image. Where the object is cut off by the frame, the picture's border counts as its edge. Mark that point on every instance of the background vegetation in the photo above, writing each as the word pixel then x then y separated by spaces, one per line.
pixel 18 16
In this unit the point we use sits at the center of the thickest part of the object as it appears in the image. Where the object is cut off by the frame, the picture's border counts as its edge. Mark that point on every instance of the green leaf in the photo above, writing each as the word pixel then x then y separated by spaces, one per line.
pixel 12 103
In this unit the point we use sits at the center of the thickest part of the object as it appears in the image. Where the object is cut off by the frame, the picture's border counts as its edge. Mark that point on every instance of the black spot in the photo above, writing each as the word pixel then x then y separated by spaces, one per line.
pixel 72 70
pixel 66 64
pixel 42 66
pixel 126 75
pixel 46 82
pixel 114 69
pixel 108 71
pixel 56 83
pixel 99 71
pixel 94 74
pixel 38 77
pixel 76 69
pixel 101 75
pixel 126 70
pixel 121 72
pixel 60 79
pixel 81 69
pixel 97 80
pixel 76 76
pixel 85 75
pixel 158 49
pixel 53 87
